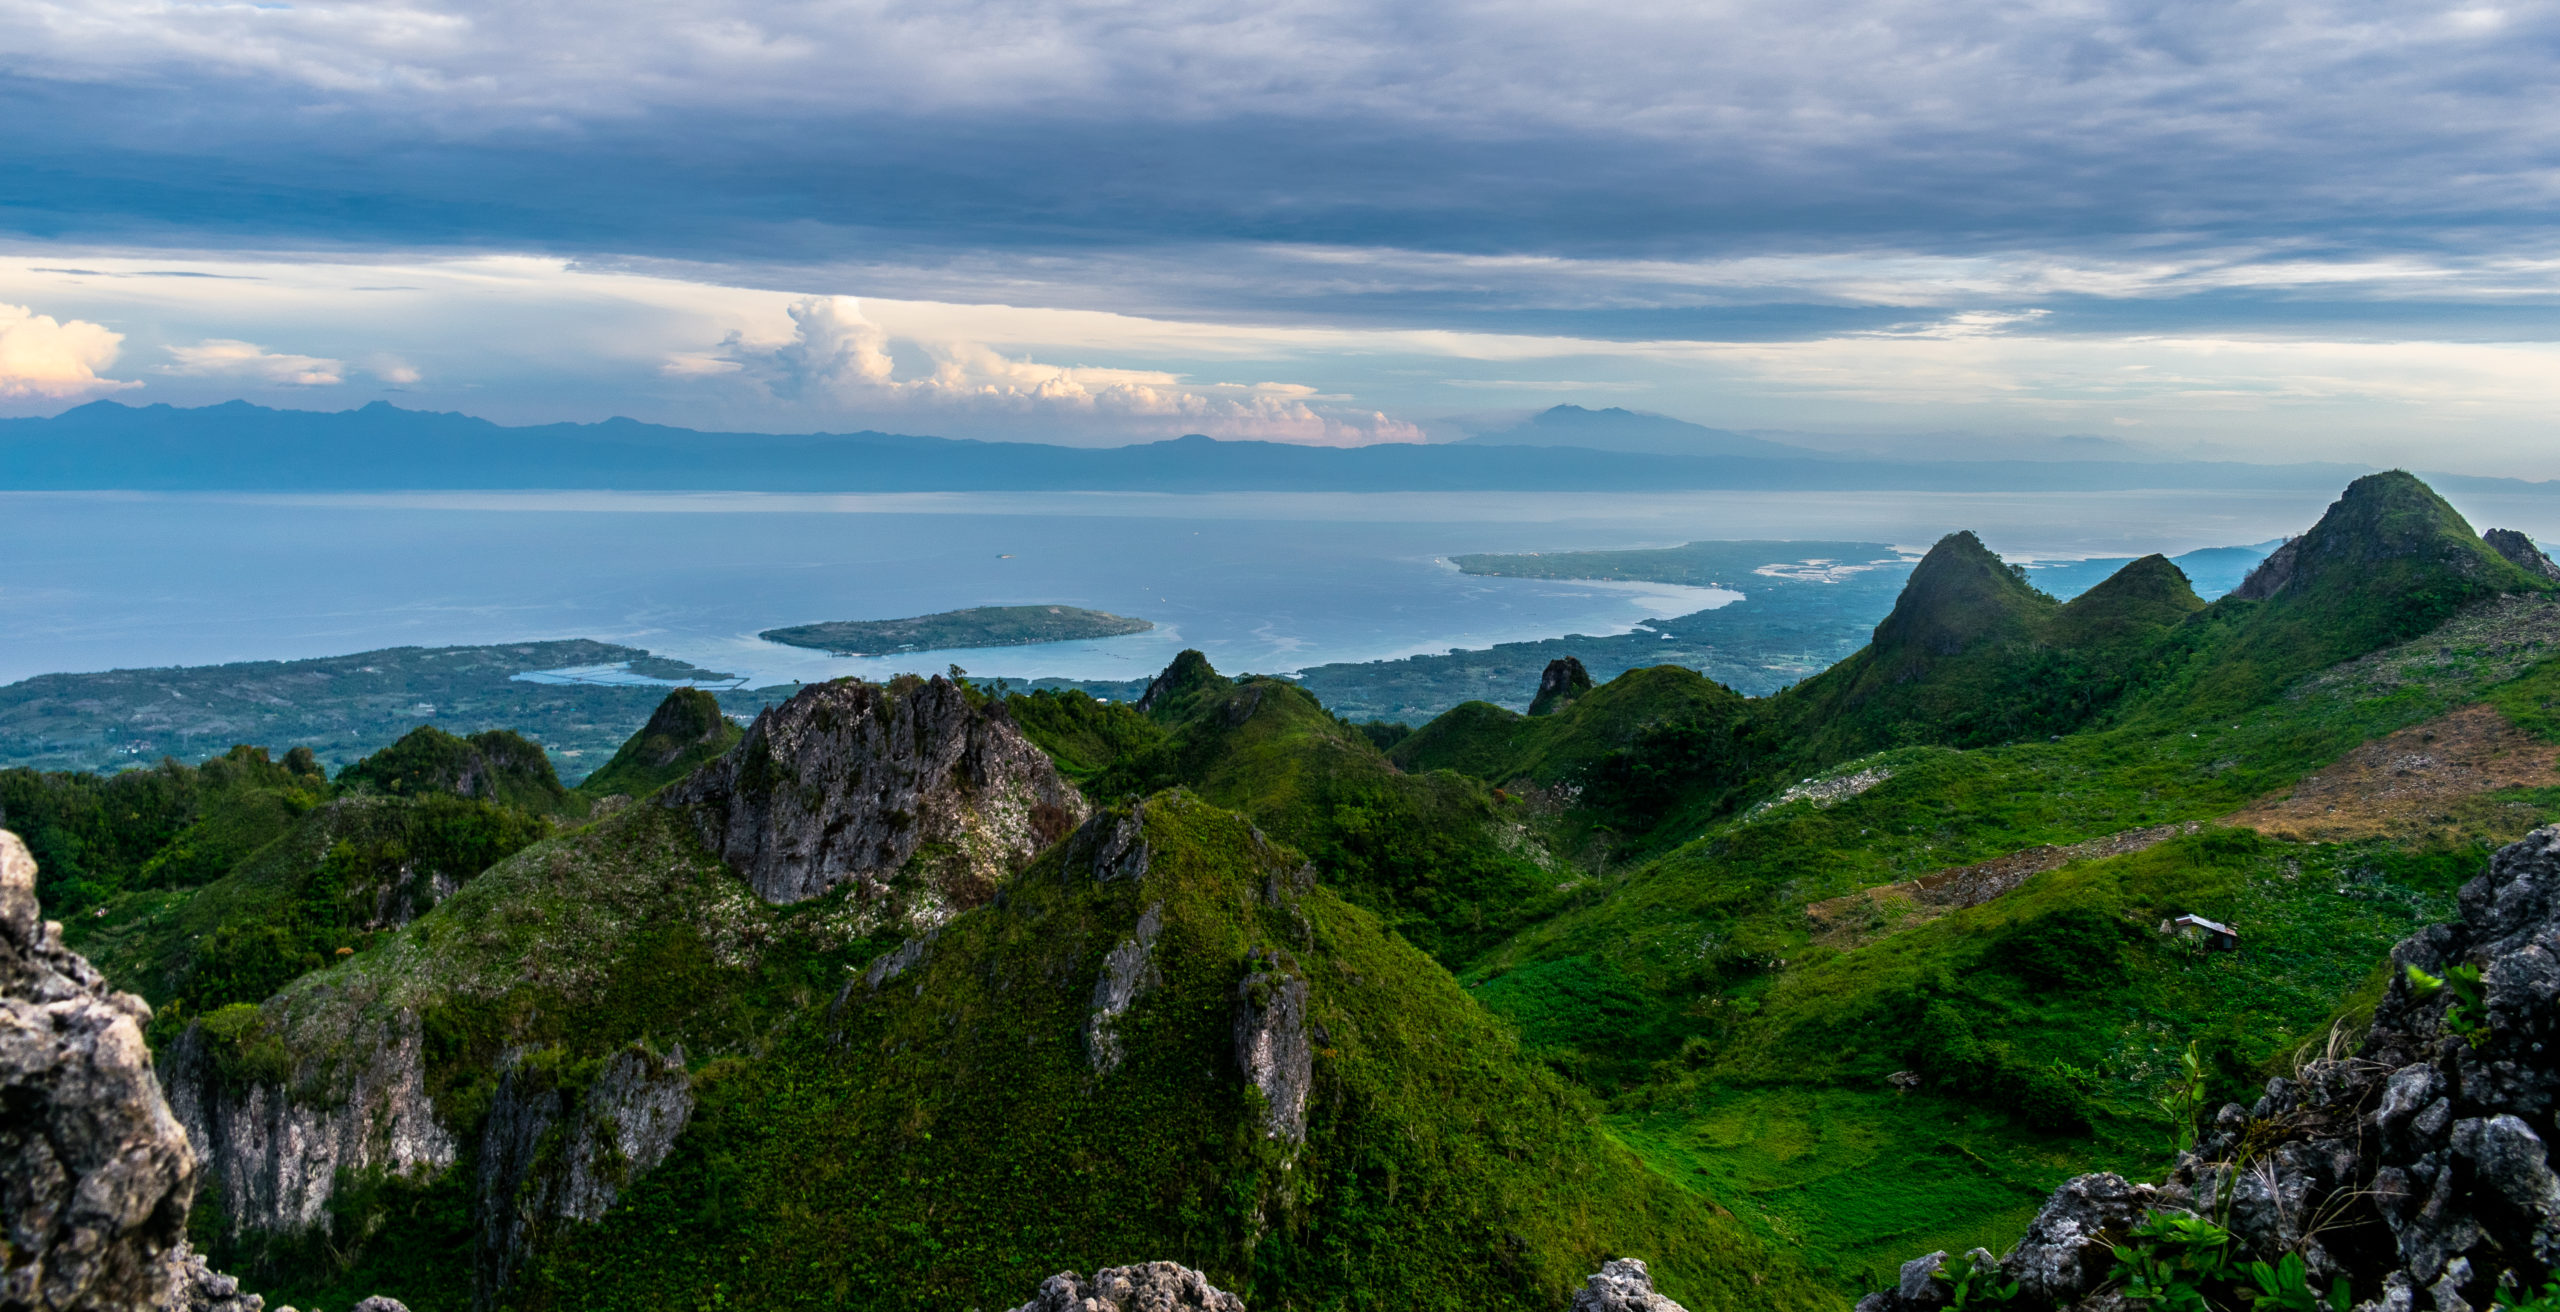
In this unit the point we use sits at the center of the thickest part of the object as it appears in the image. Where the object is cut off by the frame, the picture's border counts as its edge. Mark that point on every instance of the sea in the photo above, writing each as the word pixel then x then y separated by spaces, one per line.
pixel 1268 583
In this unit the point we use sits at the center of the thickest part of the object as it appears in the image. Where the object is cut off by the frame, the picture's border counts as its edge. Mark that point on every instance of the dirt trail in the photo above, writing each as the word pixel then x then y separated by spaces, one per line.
pixel 2408 782
pixel 1860 918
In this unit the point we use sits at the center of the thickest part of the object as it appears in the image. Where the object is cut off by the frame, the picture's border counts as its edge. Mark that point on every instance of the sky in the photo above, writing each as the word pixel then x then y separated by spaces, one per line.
pixel 2262 231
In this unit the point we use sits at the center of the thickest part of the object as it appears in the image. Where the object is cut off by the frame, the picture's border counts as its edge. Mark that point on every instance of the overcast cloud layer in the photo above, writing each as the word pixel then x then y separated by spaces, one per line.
pixel 2273 230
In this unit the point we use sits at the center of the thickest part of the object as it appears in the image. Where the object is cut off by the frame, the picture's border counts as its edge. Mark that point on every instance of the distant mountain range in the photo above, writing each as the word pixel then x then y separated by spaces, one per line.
pixel 238 446
pixel 1634 431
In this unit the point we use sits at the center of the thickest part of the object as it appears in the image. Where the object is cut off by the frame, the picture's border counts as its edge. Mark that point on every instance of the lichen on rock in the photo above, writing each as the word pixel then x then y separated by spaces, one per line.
pixel 1271 1042
pixel 1127 972
pixel 1622 1285
pixel 1145 1287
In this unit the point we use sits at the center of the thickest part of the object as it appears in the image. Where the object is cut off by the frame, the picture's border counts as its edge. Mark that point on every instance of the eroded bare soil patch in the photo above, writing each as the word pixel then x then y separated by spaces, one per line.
pixel 2408 783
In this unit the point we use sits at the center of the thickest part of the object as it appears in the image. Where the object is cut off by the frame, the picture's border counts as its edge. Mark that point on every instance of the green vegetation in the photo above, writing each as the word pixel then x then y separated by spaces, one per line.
pixel 498 765
pixel 1842 974
pixel 620 932
pixel 169 828
pixel 946 1141
pixel 342 708
pixel 341 876
pixel 1447 861
pixel 687 729
pixel 978 626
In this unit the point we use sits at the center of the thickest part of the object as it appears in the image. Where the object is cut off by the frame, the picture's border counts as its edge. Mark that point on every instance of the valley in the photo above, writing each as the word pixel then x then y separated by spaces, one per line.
pixel 1830 941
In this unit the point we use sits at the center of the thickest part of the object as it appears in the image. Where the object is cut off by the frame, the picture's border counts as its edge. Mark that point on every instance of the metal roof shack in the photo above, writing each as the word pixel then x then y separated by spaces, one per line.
pixel 2216 936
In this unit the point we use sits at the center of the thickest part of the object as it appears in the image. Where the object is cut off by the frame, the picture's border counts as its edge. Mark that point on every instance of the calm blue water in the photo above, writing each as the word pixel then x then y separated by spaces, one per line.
pixel 1260 582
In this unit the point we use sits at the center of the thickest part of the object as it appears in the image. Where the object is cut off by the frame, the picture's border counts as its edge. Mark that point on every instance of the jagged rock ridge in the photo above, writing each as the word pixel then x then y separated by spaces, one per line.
pixel 98 1176
pixel 910 789
pixel 2417 1170
pixel 2521 553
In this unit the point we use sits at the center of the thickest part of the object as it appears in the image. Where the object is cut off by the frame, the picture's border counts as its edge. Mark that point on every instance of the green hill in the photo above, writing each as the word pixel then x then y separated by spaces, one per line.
pixel 2387 562
pixel 686 730
pixel 975 1110
pixel 495 765
pixel 950 1137
pixel 1443 858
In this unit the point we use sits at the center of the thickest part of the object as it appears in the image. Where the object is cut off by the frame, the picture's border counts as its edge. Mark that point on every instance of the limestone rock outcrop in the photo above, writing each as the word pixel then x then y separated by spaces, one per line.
pixel 95 1175
pixel 1271 1043
pixel 2418 1169
pixel 1622 1285
pixel 1564 680
pixel 275 1146
pixel 1145 1287
pixel 922 797
pixel 2522 553
pixel 548 1155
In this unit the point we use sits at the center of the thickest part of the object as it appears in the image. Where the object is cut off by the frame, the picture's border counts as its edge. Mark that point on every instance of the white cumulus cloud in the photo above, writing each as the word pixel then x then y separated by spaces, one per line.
pixel 227 358
pixel 836 355
pixel 43 358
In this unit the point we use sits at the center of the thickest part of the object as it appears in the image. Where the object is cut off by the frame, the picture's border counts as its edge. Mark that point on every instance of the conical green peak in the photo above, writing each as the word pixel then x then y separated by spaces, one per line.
pixel 686 730
pixel 1959 594
pixel 2373 536
pixel 495 765
pixel 1183 682
pixel 2145 596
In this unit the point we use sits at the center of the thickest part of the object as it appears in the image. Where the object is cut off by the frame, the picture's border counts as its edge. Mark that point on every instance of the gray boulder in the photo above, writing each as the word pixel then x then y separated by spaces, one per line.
pixel 1145 1287
pixel 95 1175
pixel 1621 1285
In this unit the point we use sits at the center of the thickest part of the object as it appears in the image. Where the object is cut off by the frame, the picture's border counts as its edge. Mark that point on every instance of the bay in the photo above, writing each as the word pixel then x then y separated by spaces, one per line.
pixel 1263 582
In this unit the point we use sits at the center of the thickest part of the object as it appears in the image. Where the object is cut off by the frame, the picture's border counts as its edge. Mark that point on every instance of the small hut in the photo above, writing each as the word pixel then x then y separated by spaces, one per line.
pixel 2213 934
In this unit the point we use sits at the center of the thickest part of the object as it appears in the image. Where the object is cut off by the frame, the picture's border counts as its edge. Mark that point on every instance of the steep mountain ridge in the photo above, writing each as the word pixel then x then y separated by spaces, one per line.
pixel 2387 561
pixel 1168 1038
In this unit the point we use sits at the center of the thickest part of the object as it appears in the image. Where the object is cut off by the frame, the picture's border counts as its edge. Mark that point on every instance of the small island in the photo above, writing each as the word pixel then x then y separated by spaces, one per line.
pixel 978 626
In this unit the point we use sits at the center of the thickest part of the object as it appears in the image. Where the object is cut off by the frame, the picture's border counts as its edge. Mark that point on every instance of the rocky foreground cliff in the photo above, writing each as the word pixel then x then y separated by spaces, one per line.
pixel 96 1176
pixel 2416 1170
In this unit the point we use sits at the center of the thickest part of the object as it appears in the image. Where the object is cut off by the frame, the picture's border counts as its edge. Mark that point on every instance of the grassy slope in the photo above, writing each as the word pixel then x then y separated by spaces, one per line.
pixel 1446 860
pixel 945 1142
pixel 1741 1050
pixel 624 931
pixel 1500 746
pixel 289 907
